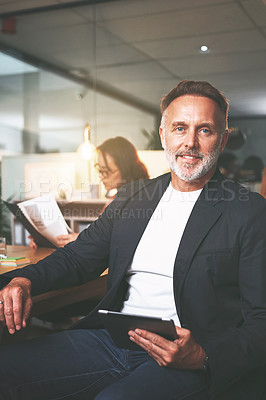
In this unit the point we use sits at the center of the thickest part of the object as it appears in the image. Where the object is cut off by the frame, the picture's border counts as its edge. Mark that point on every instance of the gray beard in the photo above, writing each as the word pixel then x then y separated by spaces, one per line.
pixel 186 173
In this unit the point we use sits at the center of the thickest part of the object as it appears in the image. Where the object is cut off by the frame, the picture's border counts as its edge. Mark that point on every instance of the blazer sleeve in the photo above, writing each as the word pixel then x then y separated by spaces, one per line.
pixel 78 262
pixel 236 353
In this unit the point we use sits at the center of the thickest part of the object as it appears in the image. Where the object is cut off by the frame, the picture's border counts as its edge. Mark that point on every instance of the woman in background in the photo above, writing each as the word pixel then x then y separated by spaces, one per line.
pixel 118 163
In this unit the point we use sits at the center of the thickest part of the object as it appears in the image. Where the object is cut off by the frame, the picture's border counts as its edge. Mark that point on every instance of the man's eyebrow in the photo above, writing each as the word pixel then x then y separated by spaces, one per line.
pixel 176 123
pixel 206 123
pixel 210 125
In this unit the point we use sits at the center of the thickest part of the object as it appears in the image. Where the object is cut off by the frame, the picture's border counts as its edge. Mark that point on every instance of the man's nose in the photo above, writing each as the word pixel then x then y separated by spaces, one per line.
pixel 191 139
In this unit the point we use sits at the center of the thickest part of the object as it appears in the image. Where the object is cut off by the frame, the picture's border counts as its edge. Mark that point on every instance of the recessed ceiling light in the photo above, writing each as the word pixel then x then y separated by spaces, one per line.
pixel 204 48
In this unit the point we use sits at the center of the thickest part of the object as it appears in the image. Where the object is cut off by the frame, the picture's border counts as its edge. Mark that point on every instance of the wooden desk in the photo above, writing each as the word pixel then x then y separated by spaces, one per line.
pixel 54 300
pixel 25 251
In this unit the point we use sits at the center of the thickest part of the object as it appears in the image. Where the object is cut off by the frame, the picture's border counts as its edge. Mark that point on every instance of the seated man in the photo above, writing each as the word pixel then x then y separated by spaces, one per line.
pixel 189 245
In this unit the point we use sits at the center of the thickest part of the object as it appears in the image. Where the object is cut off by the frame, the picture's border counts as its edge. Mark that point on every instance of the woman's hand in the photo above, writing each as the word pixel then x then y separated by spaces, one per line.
pixel 62 240
pixel 32 243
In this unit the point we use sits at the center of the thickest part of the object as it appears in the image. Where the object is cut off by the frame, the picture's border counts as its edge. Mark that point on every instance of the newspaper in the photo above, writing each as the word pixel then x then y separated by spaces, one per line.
pixel 45 216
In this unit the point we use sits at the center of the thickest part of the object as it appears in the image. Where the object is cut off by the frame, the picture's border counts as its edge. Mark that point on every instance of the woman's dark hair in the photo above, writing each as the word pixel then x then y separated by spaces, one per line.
pixel 125 157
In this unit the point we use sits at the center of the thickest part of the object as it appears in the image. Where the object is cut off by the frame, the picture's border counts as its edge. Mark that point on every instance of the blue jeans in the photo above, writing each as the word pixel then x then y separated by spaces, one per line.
pixel 86 364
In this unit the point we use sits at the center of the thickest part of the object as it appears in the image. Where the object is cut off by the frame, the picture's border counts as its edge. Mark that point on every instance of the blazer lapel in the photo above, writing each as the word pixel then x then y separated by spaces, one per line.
pixel 203 216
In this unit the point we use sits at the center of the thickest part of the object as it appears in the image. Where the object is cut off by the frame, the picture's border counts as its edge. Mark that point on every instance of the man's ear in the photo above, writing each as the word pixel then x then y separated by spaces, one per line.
pixel 162 136
pixel 224 140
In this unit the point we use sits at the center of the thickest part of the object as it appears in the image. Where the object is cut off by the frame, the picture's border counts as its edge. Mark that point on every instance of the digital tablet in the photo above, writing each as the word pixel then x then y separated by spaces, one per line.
pixel 118 324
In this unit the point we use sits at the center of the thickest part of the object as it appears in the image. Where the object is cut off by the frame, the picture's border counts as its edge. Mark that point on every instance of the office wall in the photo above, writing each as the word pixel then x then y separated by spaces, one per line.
pixel 14 169
pixel 42 112
pixel 31 175
pixel 255 130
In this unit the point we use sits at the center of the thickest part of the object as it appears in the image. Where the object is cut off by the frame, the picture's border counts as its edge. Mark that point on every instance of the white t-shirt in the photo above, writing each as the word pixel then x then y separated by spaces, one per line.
pixel 150 276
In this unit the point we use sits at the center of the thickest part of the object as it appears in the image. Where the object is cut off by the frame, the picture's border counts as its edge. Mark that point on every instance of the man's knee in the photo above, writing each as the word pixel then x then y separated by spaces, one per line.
pixel 108 394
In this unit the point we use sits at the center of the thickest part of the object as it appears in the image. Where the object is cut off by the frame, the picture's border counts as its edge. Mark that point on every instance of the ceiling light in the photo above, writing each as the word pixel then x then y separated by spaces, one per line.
pixel 87 149
pixel 204 48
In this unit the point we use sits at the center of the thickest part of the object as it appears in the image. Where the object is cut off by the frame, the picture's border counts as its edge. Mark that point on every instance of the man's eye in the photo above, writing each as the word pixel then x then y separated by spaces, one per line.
pixel 180 129
pixel 205 131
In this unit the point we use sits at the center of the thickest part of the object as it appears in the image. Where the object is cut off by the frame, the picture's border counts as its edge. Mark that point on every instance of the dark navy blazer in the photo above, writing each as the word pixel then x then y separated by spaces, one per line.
pixel 219 273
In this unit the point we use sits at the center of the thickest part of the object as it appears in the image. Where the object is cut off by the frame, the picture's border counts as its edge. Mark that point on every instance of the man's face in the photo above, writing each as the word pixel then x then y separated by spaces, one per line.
pixel 192 134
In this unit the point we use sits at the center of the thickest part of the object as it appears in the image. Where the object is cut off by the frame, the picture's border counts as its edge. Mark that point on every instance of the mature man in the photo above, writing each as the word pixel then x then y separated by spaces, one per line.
pixel 188 245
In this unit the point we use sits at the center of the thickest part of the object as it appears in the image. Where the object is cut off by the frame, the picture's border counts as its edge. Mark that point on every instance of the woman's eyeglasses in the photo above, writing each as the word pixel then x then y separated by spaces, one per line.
pixel 104 172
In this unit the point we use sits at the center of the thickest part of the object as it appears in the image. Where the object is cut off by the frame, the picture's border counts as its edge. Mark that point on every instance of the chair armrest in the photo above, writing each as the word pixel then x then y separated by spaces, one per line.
pixel 53 300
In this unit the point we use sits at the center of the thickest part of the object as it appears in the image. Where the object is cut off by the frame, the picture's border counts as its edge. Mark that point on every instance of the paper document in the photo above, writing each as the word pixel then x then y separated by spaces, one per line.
pixel 45 216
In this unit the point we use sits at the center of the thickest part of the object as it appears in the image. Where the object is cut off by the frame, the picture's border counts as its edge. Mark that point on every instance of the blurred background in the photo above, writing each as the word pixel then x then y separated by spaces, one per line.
pixel 65 63
pixel 106 63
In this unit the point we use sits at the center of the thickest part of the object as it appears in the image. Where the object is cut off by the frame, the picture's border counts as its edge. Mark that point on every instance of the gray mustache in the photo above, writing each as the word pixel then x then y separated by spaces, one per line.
pixel 190 153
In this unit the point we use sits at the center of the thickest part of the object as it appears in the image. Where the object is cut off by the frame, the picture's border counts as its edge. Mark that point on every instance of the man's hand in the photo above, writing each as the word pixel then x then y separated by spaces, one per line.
pixel 17 304
pixel 183 353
